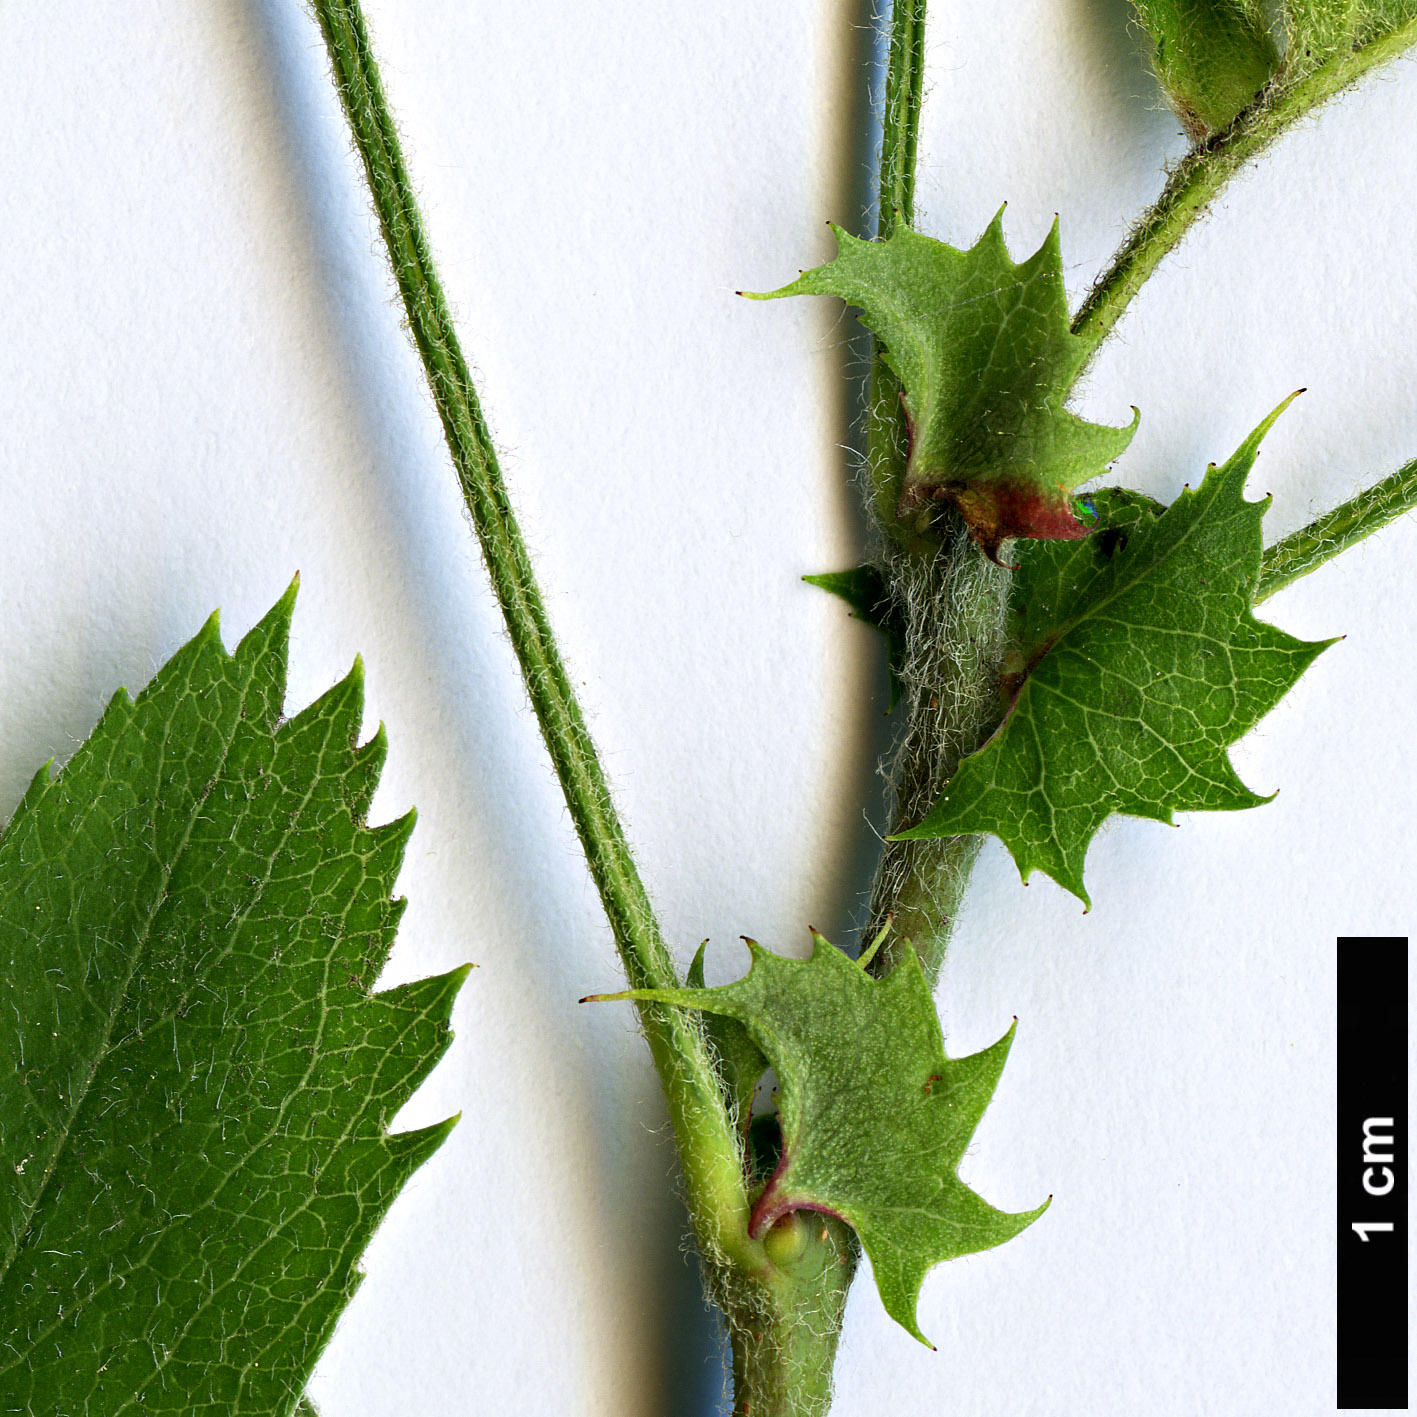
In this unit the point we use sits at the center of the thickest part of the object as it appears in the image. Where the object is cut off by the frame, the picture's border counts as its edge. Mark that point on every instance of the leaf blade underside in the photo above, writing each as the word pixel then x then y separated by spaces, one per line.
pixel 193 918
pixel 875 1118
pixel 1143 664
pixel 986 359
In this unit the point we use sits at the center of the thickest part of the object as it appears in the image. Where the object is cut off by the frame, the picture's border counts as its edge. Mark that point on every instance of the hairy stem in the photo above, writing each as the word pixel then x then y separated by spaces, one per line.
pixel 886 443
pixel 953 606
pixel 708 1146
pixel 948 597
pixel 784 1329
pixel 1206 169
pixel 900 121
pixel 954 612
pixel 1308 548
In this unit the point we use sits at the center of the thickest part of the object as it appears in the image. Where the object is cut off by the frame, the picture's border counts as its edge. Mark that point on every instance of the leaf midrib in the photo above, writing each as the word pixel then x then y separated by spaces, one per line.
pixel 142 939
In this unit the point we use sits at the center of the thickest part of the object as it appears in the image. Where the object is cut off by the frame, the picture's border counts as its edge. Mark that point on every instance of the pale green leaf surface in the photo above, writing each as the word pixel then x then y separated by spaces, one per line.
pixel 875 1118
pixel 985 357
pixel 1142 663
pixel 192 1119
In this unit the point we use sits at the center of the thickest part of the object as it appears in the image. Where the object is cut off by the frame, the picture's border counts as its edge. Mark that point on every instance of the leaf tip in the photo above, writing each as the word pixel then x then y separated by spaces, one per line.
pixel 276 621
pixel 403 825
pixel 1070 882
pixel 910 1324
pixel 1053 242
pixel 378 742
pixel 993 236
pixel 695 977
pixel 433 1137
pixel 609 998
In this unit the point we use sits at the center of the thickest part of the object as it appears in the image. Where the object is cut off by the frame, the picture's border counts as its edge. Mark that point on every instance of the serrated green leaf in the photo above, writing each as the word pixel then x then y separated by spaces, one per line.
pixel 986 359
pixel 864 590
pixel 193 1129
pixel 1141 663
pixel 1212 56
pixel 875 1118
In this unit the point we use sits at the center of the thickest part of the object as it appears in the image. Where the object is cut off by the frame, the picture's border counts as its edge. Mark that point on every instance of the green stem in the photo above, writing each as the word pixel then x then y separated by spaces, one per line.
pixel 947 597
pixel 1326 536
pixel 1205 170
pixel 952 604
pixel 784 1331
pixel 900 121
pixel 885 432
pixel 708 1145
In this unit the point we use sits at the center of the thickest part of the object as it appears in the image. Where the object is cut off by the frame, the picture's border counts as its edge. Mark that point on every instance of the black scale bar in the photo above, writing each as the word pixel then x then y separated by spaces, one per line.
pixel 1372 1173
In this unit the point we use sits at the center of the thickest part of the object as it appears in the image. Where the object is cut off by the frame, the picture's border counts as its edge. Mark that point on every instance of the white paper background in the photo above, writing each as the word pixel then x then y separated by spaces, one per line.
pixel 206 387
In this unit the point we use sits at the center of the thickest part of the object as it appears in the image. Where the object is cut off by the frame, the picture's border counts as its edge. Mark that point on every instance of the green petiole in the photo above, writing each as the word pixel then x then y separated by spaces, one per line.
pixel 1201 174
pixel 708 1144
pixel 1325 537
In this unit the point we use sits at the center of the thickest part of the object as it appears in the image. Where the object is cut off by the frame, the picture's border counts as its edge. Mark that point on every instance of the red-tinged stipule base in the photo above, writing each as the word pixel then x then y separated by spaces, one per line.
pixel 764 1218
pixel 771 1207
pixel 1000 510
